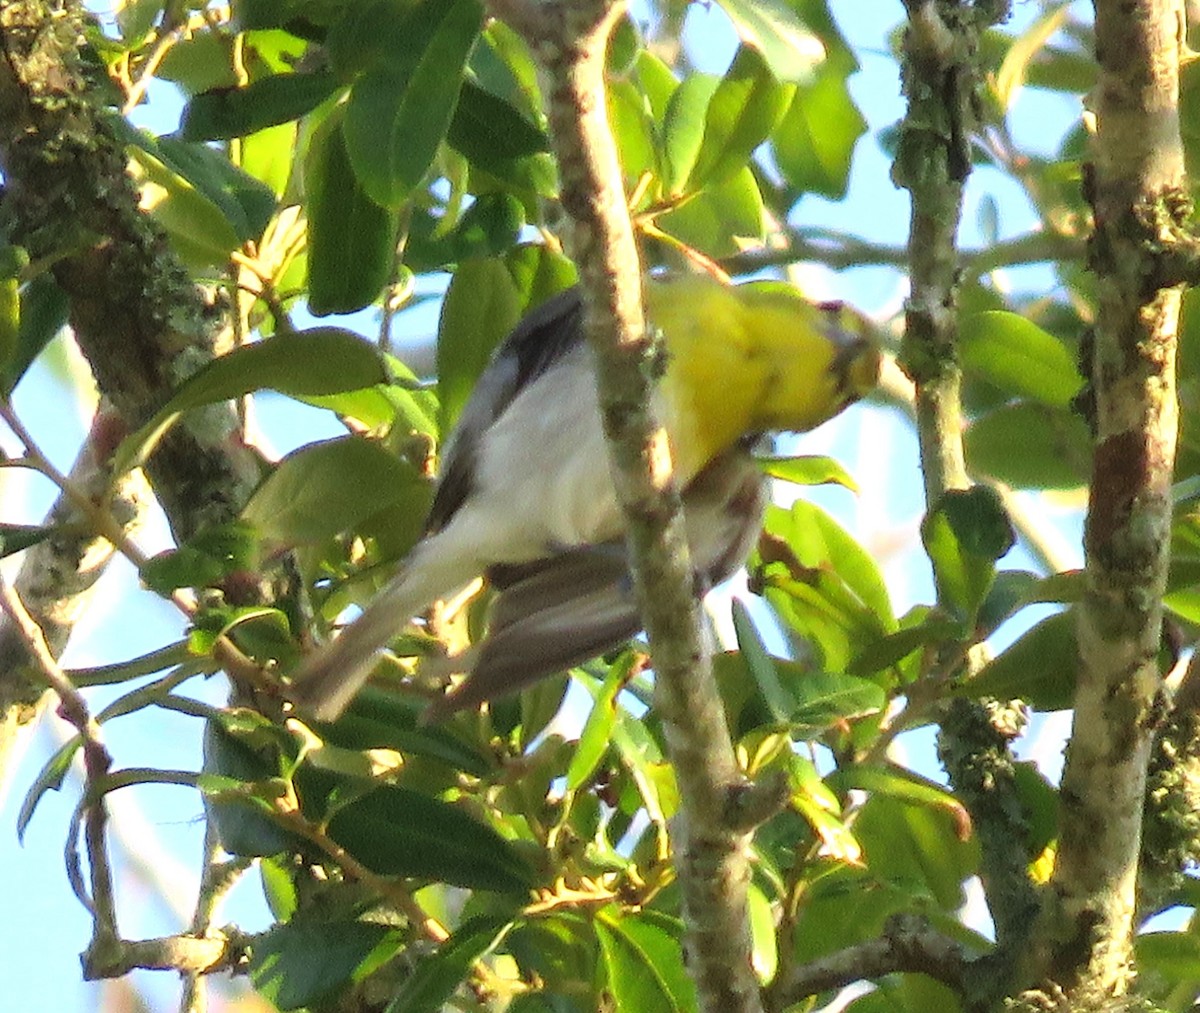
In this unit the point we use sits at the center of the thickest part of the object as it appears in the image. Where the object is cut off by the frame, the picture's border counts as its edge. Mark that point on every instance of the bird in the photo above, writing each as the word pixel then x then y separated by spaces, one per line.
pixel 525 499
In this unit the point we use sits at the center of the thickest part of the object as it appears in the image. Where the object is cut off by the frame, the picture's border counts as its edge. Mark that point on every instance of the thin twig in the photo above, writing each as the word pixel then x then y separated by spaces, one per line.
pixel 225 651
pixel 96 759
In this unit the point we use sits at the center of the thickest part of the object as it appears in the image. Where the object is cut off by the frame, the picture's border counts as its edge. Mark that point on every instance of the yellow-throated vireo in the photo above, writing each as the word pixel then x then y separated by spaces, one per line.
pixel 525 496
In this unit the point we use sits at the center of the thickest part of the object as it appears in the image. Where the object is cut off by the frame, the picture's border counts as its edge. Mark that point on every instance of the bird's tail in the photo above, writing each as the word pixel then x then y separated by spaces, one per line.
pixel 327 679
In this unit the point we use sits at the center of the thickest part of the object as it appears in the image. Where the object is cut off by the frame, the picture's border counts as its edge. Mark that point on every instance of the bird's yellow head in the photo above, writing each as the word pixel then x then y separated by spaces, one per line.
pixel 753 358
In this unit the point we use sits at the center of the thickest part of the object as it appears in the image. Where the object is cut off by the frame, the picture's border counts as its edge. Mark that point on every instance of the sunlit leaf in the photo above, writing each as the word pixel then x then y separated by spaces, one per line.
pixel 772 28
pixel 1019 357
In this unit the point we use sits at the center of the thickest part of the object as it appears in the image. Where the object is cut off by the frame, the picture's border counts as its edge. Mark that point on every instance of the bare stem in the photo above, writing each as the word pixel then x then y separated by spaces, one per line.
pixel 569 39
pixel 96 761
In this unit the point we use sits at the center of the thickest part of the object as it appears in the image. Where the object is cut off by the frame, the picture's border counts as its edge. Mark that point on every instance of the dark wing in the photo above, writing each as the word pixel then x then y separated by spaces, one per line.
pixel 549 616
pixel 540 340
pixel 558 612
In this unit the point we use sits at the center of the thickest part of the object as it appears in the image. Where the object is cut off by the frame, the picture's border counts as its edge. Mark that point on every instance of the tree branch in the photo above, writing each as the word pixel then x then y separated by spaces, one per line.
pixel 933 161
pixel 1137 181
pixel 569 39
pixel 907 944
pixel 137 317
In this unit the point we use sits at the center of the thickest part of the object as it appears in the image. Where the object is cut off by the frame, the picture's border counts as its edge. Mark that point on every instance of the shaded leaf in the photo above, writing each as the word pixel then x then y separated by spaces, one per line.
pixel 323 360
pixel 17 537
pixel 223 113
pixel 436 978
pixel 296 964
pixel 244 825
pixel 965 534
pixel 330 487
pixel 397 832
pixel 377 719
pixel 43 314
pixel 351 238
pixel 895 647
pixel 49 778
pixel 490 132
pixel 1040 667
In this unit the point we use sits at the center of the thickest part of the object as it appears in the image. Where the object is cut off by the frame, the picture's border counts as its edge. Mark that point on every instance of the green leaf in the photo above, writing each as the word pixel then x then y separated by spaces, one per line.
pixel 683 127
pixel 926 851
pixel 761 665
pixel 1173 955
pixel 436 978
pixel 643 964
pixel 323 360
pixel 629 119
pixel 144 664
pixel 302 962
pixel 596 736
pixel 741 114
pixel 399 111
pixel 819 541
pixel 1020 358
pixel 199 230
pixel 244 824
pixel 721 220
pixel 827 698
pixel 1039 802
pixel 764 955
pixel 902 785
pixel 490 132
pixel 1030 446
pixel 397 832
pixel 223 113
pixel 351 239
pixel 279 886
pixel 329 487
pixel 1015 68
pixel 808 470
pixel 481 306
pixel 772 29
pixel 895 647
pixel 964 535
pixel 13 261
pixel 814 142
pixel 245 203
pixel 202 561
pixel 49 778
pixel 43 315
pixel 199 63
pixel 378 719
pixel 18 537
pixel 1041 667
